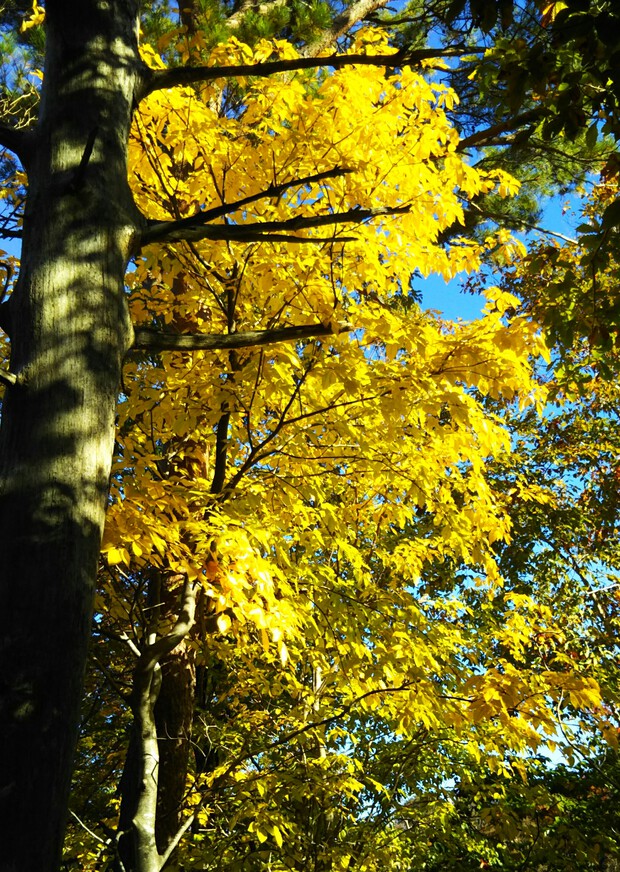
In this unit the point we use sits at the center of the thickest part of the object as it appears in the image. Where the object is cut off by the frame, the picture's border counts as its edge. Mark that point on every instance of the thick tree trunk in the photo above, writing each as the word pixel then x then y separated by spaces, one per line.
pixel 69 331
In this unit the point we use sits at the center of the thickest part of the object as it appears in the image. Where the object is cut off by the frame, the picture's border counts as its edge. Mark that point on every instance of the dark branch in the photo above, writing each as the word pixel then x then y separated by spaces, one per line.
pixel 489 134
pixel 272 191
pixel 179 76
pixel 80 172
pixel 157 340
pixel 258 231
pixel 20 142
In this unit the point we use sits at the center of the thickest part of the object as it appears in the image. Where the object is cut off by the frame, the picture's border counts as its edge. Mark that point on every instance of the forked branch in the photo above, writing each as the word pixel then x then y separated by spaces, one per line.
pixel 137 834
pixel 272 192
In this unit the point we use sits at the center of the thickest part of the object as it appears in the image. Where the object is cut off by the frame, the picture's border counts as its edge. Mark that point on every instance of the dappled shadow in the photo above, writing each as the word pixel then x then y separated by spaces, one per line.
pixel 69 330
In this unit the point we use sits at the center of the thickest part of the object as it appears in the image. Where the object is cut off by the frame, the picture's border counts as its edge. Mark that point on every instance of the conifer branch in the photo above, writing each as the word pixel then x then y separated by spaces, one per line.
pixel 234 20
pixel 159 340
pixel 342 24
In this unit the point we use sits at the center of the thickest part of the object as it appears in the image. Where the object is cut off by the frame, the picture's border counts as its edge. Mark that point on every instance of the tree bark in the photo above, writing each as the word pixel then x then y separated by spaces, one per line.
pixel 69 329
pixel 140 805
pixel 174 715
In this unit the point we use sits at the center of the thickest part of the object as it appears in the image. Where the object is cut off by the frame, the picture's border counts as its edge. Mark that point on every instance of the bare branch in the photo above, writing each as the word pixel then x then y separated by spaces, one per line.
pixel 546 232
pixel 177 837
pixel 258 231
pixel 342 24
pixel 156 340
pixel 132 645
pixel 89 831
pixel 155 80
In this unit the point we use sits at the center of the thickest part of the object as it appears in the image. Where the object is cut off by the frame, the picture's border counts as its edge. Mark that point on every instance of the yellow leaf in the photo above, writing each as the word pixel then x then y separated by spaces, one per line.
pixel 36 17
pixel 283 654
pixel 118 555
pixel 224 623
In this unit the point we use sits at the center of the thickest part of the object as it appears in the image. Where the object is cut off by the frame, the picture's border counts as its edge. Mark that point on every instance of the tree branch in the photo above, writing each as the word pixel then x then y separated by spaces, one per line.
pixel 153 653
pixel 20 142
pixel 7 378
pixel 156 80
pixel 156 340
pixel 345 709
pixel 257 231
pixel 273 191
pixel 147 684
pixel 233 21
pixel 342 24
pixel 88 830
pixel 481 137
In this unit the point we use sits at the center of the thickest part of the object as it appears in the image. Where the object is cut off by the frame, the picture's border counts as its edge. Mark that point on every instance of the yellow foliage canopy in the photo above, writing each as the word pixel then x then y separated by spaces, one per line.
pixel 306 486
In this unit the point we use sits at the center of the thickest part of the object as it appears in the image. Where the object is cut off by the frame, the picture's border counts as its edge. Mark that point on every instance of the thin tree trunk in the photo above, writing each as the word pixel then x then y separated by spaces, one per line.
pixel 137 842
pixel 174 715
pixel 69 330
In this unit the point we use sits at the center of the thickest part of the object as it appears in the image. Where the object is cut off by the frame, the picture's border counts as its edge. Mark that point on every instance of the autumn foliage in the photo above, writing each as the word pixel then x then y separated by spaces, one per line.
pixel 339 615
pixel 313 493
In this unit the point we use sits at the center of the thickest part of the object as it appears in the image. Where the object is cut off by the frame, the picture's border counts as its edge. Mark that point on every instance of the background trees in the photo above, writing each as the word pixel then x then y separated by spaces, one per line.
pixel 311 622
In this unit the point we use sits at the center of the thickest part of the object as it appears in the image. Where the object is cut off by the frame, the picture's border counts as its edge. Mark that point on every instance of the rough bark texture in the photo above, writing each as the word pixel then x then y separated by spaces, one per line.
pixel 69 331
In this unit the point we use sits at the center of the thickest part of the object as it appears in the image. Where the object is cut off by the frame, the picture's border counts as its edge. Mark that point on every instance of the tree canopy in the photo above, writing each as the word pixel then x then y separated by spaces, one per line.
pixel 357 587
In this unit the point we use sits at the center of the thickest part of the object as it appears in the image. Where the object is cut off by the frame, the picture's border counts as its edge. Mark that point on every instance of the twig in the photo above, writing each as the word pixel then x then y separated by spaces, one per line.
pixel 88 830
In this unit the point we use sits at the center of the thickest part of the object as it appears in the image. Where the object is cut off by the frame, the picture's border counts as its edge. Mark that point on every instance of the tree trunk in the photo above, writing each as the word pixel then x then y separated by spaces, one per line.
pixel 69 329
pixel 174 714
pixel 140 831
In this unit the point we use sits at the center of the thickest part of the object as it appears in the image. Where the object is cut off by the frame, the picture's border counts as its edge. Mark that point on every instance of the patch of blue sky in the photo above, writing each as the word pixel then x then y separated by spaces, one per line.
pixel 560 217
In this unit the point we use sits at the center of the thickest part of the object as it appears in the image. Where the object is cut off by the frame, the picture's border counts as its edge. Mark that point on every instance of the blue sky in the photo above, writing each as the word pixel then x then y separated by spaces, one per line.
pixel 560 215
